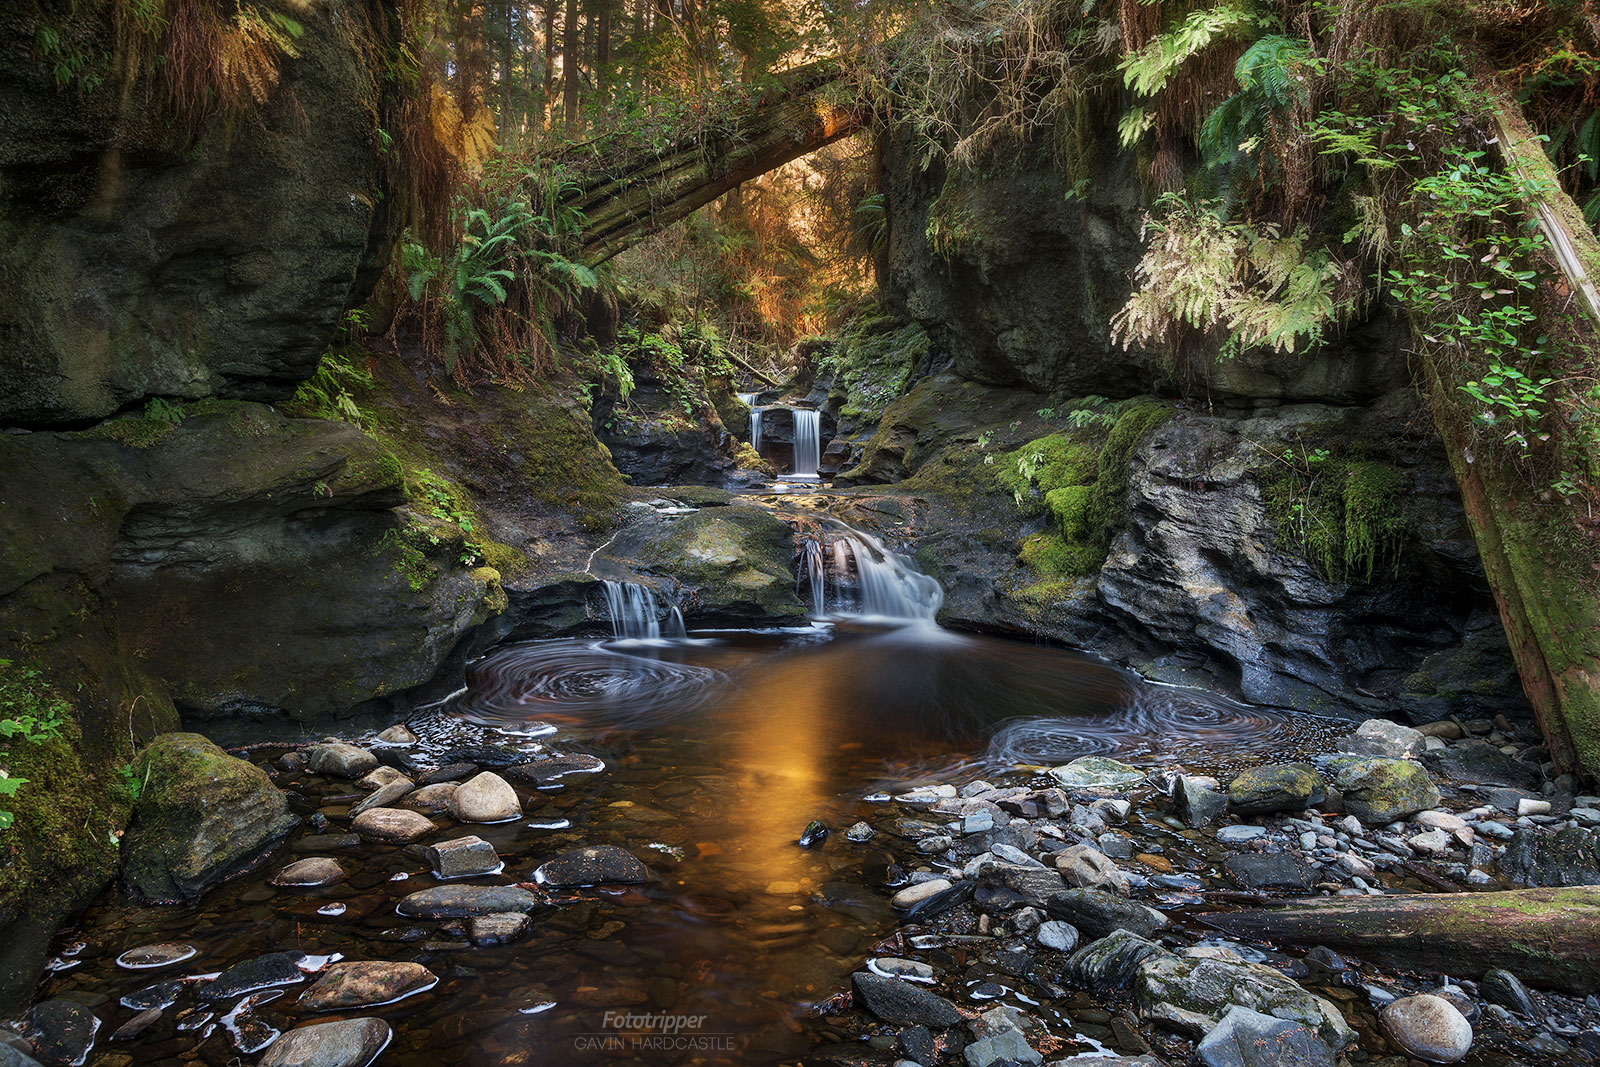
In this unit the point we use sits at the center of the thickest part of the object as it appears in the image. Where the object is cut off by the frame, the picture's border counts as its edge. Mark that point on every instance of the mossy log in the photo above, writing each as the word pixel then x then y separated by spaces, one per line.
pixel 626 196
pixel 1540 551
pixel 1547 937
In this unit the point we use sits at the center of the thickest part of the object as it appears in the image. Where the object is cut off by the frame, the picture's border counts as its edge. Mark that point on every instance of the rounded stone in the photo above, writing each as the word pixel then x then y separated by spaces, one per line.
pixel 149 957
pixel 486 798
pixel 398 734
pixel 432 799
pixel 366 984
pixel 1427 1027
pixel 349 1043
pixel 311 871
pixel 392 826
pixel 336 759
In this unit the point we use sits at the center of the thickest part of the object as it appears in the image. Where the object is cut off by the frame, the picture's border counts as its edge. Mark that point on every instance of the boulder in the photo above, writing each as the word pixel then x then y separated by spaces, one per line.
pixel 1271 870
pixel 1427 1027
pixel 271 971
pixel 1380 737
pixel 1004 886
pixel 1379 791
pixel 337 759
pixel 366 984
pixel 1276 787
pixel 61 1031
pixel 1536 856
pixel 463 857
pixel 348 1043
pixel 1198 803
pixel 485 798
pixel 1097 772
pixel 1506 989
pixel 593 865
pixel 1087 867
pixel 1248 1038
pixel 1112 962
pixel 1191 992
pixel 203 817
pixel 392 826
pixel 311 871
pixel 902 1003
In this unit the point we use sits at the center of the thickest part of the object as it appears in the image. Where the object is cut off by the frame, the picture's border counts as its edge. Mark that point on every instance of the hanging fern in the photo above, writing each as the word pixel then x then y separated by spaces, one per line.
pixel 1270 82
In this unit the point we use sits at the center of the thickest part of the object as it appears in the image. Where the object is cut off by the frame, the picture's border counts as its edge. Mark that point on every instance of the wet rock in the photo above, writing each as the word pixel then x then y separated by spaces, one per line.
pixel 1037 803
pixel 1246 1038
pixel 336 759
pixel 498 757
pixel 1097 772
pixel 1380 737
pixel 1431 842
pixel 1191 993
pixel 385 795
pixel 1004 886
pixel 1238 835
pixel 486 798
pixel 1005 1049
pixel 133 1027
pixel 465 901
pixel 555 768
pixel 895 967
pixel 1277 787
pixel 202 818
pixel 1427 1027
pixel 398 734
pixel 1476 760
pixel 1112 962
pixel 594 865
pixel 1379 791
pixel 916 894
pixel 152 957
pixel 1506 989
pixel 61 1032
pixel 366 984
pixel 264 972
pixel 859 832
pixel 902 1003
pixel 1197 802
pixel 431 799
pixel 1097 913
pixel 500 928
pixel 463 857
pixel 449 772
pixel 379 778
pixel 392 826
pixel 1271 870
pixel 916 1043
pixel 1089 868
pixel 11 1056
pixel 311 871
pixel 349 1043
pixel 1539 857
pixel 814 834
pixel 1063 937
pixel 160 995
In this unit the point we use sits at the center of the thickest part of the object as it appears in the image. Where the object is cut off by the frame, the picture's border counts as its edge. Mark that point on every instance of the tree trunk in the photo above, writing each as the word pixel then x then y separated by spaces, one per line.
pixel 569 70
pixel 549 62
pixel 469 58
pixel 1546 937
pixel 602 46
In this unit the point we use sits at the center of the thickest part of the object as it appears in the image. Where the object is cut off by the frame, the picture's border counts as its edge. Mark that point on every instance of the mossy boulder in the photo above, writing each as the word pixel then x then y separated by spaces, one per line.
pixel 1277 787
pixel 202 817
pixel 1191 992
pixel 734 563
pixel 1379 791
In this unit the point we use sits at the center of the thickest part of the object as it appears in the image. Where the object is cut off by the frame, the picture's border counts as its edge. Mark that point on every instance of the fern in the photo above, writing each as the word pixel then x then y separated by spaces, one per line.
pixel 1148 70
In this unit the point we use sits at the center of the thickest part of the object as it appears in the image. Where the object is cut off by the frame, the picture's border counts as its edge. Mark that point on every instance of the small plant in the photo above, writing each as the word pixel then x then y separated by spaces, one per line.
pixel 132 783
pixel 31 712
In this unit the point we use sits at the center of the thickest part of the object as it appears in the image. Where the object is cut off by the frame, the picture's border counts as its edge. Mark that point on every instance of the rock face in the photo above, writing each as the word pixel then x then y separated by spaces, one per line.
pixel 203 817
pixel 158 266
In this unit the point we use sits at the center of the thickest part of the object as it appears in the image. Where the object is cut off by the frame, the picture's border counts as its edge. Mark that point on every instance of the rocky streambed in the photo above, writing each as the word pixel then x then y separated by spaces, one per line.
pixel 827 847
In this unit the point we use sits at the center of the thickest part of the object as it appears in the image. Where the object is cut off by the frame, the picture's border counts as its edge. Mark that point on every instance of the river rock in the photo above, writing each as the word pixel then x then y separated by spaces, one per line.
pixel 151 957
pixel 1112 962
pixel 463 857
pixel 902 1003
pixel 555 768
pixel 1427 1027
pixel 1008 1048
pixel 1198 803
pixel 398 734
pixel 1247 1038
pixel 11 1056
pixel 1004 886
pixel 263 972
pixel 465 901
pixel 203 817
pixel 1380 737
pixel 1191 992
pixel 486 798
pixel 1276 787
pixel 916 894
pixel 380 777
pixel 349 1043
pixel 1271 870
pixel 61 1031
pixel 1063 937
pixel 499 928
pixel 1539 857
pixel 385 795
pixel 449 773
pixel 337 759
pixel 311 871
pixel 1097 913
pixel 161 995
pixel 1476 760
pixel 1088 868
pixel 1506 989
pixel 431 799
pixel 1097 772
pixel 1379 791
pixel 593 865
pixel 366 984
pixel 392 826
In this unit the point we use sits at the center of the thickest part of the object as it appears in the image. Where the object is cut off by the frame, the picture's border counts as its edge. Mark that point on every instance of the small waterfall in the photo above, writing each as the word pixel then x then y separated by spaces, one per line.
pixel 755 428
pixel 807 442
pixel 866 578
pixel 636 613
pixel 747 399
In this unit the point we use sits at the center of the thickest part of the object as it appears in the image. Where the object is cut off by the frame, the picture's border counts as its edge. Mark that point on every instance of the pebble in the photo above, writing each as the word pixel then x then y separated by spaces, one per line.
pixel 1529 806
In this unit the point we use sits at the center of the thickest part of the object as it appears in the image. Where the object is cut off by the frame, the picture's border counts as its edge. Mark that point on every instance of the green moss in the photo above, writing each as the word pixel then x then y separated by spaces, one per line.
pixel 159 418
pixel 872 362
pixel 1344 515
pixel 1056 461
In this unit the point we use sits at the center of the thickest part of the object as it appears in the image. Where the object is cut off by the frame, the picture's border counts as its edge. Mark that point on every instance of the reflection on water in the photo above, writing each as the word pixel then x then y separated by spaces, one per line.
pixel 718 751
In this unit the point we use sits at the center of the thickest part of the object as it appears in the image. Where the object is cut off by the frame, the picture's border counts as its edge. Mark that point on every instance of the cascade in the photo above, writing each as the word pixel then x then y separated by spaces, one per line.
pixel 807 442
pixel 755 428
pixel 747 399
pixel 635 612
pixel 866 577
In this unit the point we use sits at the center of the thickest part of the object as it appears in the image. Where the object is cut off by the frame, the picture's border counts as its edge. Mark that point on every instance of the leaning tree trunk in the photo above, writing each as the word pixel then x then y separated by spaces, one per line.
pixel 1547 937
pixel 1540 551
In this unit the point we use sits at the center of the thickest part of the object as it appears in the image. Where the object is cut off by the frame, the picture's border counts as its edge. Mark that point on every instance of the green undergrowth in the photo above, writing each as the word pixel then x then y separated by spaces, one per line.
pixel 1343 513
pixel 1077 480
pixel 872 361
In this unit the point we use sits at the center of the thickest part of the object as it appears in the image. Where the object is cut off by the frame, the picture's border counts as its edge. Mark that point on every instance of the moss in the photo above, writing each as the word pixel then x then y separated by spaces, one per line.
pixel 1342 514
pixel 749 459
pixel 1056 461
pixel 872 362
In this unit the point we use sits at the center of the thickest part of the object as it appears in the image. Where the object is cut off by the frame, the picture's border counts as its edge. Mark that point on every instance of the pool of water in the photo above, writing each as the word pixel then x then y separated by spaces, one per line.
pixel 718 751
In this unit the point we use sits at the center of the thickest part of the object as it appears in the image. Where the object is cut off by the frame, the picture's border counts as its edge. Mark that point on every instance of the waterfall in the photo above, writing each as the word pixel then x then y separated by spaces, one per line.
pixel 755 428
pixel 747 399
pixel 807 442
pixel 636 613
pixel 866 578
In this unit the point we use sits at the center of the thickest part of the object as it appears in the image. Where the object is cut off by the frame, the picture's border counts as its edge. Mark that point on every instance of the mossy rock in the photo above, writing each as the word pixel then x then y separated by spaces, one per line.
pixel 1379 791
pixel 203 817
pixel 1278 787
pixel 735 562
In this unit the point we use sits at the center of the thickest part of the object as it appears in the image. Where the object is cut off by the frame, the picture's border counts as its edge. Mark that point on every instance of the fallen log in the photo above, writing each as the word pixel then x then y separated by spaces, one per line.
pixel 1546 937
